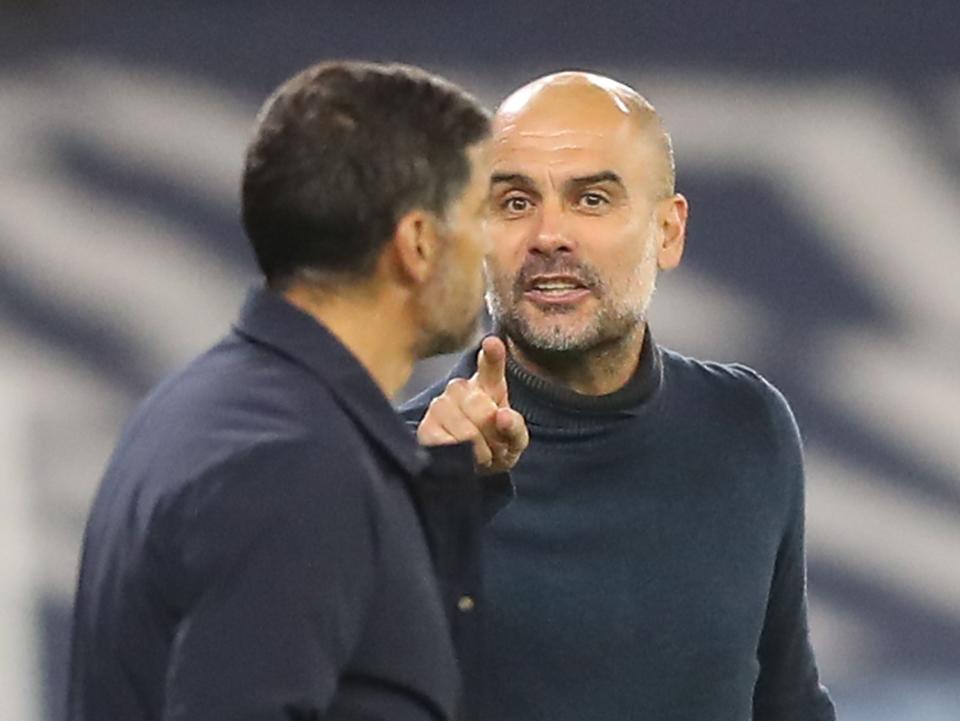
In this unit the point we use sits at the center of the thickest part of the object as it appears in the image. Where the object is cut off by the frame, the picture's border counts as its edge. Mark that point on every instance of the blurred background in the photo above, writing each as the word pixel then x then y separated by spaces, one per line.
pixel 818 144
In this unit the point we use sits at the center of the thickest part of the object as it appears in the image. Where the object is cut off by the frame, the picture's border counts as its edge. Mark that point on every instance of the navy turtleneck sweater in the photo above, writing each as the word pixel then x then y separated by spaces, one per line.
pixel 651 565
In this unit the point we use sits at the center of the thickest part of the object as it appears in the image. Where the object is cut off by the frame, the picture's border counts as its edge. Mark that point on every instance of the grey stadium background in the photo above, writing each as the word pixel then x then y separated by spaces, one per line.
pixel 818 143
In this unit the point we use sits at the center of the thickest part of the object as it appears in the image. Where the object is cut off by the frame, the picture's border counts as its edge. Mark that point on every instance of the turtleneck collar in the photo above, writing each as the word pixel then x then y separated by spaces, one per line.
pixel 545 403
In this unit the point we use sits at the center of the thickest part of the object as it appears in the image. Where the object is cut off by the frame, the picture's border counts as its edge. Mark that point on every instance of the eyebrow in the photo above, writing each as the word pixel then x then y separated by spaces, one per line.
pixel 525 181
pixel 517 179
pixel 605 176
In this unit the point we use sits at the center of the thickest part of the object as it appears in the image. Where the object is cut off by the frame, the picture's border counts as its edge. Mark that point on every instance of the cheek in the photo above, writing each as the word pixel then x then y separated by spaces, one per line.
pixel 470 266
pixel 499 275
pixel 626 262
pixel 508 239
pixel 503 267
pixel 472 247
pixel 619 227
pixel 472 253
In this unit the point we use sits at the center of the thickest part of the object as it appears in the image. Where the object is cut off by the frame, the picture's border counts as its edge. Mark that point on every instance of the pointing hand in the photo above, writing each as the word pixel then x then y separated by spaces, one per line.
pixel 478 410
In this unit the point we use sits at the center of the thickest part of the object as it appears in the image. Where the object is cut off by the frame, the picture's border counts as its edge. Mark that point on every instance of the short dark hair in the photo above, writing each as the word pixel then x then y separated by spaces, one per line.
pixel 341 151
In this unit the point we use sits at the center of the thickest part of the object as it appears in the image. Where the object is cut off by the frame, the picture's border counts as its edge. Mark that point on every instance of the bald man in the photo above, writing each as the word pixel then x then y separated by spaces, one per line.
pixel 652 565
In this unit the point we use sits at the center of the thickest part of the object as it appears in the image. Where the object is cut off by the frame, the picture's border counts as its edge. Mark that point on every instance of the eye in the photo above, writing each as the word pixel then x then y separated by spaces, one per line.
pixel 515 204
pixel 593 200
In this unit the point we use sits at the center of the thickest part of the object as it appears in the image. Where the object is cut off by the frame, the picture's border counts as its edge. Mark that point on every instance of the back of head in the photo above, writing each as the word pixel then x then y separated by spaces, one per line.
pixel 343 150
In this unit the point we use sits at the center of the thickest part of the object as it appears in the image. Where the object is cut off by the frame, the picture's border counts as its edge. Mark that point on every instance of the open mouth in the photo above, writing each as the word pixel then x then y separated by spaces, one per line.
pixel 556 289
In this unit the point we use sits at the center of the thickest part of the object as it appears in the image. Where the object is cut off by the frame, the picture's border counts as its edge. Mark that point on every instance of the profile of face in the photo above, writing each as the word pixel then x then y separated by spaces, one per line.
pixel 578 218
pixel 451 300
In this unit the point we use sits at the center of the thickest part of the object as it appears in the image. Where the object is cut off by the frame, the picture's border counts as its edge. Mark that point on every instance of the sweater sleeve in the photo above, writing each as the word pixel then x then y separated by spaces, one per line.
pixel 788 687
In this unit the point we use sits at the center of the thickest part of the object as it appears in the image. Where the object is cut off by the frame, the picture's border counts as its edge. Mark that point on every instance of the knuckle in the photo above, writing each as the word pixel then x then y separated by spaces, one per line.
pixel 440 404
pixel 478 399
pixel 427 432
pixel 428 437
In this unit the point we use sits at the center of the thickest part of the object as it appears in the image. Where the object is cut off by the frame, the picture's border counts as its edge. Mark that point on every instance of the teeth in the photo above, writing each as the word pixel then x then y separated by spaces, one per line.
pixel 555 286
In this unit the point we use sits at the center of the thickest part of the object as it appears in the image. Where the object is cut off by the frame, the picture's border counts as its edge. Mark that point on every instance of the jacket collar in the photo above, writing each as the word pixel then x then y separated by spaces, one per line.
pixel 267 318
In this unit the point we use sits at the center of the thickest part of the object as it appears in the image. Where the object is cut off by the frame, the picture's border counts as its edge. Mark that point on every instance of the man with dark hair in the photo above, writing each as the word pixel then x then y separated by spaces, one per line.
pixel 652 563
pixel 269 541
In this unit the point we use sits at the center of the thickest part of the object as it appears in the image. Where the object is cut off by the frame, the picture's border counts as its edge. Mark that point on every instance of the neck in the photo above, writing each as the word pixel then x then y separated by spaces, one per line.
pixel 370 324
pixel 603 369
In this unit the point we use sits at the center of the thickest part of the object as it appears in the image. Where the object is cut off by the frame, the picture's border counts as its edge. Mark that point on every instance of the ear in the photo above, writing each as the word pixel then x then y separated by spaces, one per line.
pixel 416 245
pixel 672 217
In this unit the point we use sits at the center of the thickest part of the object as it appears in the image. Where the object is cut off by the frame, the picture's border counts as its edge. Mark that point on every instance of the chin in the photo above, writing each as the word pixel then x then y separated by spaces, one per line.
pixel 554 325
pixel 557 337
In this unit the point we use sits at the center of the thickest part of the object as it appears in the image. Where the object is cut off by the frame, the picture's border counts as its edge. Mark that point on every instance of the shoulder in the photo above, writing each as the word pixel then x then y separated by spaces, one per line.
pixel 234 423
pixel 728 381
pixel 243 386
pixel 275 480
pixel 745 421
pixel 289 466
pixel 736 393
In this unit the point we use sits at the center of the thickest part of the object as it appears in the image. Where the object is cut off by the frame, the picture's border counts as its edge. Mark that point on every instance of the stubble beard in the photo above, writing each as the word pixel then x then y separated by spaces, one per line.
pixel 449 321
pixel 444 340
pixel 618 319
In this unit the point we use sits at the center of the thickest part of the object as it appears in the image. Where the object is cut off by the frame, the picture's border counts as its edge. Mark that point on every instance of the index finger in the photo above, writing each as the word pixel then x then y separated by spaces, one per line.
pixel 492 369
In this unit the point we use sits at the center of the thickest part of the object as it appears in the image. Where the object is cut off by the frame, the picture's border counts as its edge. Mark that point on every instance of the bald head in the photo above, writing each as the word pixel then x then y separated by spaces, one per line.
pixel 579 101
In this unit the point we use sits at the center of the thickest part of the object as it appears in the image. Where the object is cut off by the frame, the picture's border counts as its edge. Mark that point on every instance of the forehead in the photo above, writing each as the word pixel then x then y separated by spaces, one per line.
pixel 570 140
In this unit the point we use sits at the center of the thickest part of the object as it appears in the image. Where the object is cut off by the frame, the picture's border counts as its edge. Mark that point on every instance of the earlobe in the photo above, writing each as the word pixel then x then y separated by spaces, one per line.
pixel 415 245
pixel 673 228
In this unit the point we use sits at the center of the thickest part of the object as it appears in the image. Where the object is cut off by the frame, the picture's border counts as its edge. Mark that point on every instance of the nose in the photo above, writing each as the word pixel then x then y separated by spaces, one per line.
pixel 551 234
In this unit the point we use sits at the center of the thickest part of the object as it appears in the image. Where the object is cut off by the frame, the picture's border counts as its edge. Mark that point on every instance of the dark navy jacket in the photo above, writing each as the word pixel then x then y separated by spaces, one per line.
pixel 260 546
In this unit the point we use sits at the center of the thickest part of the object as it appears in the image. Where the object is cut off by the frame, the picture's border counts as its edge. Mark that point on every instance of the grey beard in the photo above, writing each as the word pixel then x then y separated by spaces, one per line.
pixel 609 325
pixel 613 321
